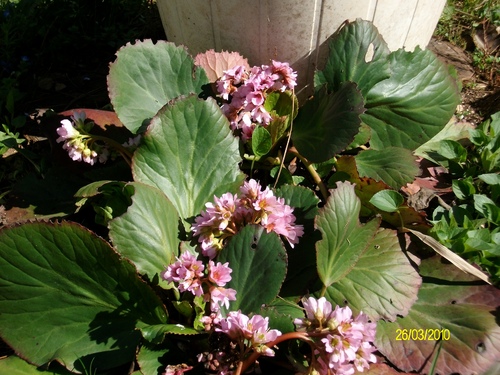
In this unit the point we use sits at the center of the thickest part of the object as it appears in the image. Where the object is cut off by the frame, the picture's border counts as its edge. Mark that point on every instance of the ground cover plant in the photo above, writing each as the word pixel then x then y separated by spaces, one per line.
pixel 254 233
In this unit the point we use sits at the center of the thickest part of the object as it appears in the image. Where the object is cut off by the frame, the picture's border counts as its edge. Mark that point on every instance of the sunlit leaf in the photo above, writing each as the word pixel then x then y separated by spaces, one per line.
pixel 146 76
pixel 190 154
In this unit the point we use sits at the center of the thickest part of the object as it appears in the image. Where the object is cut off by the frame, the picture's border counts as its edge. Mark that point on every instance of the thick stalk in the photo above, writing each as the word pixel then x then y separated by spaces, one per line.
pixel 312 171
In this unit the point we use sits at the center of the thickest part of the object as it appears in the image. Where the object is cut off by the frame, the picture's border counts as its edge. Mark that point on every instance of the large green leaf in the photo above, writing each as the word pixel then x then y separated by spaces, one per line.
pixel 147 233
pixel 328 123
pixel 145 76
pixel 258 261
pixel 414 104
pixel 383 284
pixel 393 165
pixel 451 300
pixel 349 58
pixel 190 154
pixel 344 238
pixel 66 295
pixel 302 258
pixel 409 96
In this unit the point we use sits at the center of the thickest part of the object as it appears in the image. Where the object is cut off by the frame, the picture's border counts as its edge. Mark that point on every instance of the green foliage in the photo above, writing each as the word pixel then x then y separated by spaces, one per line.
pixel 189 154
pixel 257 259
pixel 77 296
pixel 471 226
pixel 95 304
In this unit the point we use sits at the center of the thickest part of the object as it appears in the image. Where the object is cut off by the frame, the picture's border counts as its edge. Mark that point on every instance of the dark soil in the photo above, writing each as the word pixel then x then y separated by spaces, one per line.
pixel 480 94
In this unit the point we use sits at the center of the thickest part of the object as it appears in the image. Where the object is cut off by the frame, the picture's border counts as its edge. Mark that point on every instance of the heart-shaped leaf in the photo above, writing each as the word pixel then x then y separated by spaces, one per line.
pixel 147 233
pixel 258 261
pixel 328 123
pixel 65 295
pixel 449 300
pixel 189 154
pixel 146 76
pixel 261 141
pixel 387 200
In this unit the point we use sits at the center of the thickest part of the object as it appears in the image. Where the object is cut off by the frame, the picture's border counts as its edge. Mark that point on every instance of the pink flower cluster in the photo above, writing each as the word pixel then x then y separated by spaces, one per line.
pixel 345 345
pixel 254 331
pixel 245 93
pixel 189 273
pixel 229 213
pixel 78 143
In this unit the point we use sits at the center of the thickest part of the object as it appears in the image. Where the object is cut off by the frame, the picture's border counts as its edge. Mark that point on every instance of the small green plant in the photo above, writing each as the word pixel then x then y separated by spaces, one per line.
pixel 470 227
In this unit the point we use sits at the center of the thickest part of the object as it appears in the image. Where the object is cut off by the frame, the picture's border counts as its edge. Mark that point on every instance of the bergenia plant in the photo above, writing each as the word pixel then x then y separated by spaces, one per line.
pixel 257 235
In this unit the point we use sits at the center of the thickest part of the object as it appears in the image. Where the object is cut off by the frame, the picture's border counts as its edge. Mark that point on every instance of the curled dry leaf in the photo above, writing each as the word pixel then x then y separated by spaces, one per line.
pixel 215 63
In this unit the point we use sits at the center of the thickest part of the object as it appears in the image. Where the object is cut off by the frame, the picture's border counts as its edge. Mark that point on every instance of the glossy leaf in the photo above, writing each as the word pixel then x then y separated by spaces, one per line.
pixel 383 284
pixel 393 165
pixel 451 300
pixel 258 261
pixel 145 76
pixel 328 123
pixel 261 141
pixel 189 154
pixel 66 295
pixel 344 239
pixel 414 104
pixel 147 233
pixel 387 200
pixel 409 96
pixel 302 258
pixel 349 58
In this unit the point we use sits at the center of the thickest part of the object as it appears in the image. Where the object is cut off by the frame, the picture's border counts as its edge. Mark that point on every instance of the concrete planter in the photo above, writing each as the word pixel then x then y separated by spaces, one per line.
pixel 292 30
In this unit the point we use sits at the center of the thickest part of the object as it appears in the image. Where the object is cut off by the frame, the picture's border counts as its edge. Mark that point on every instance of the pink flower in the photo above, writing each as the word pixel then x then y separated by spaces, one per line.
pixel 235 325
pixel 254 330
pixel 220 274
pixel 220 297
pixel 246 91
pixel 317 312
pixel 346 345
pixel 66 131
pixel 188 272
pixel 285 76
pixel 78 143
